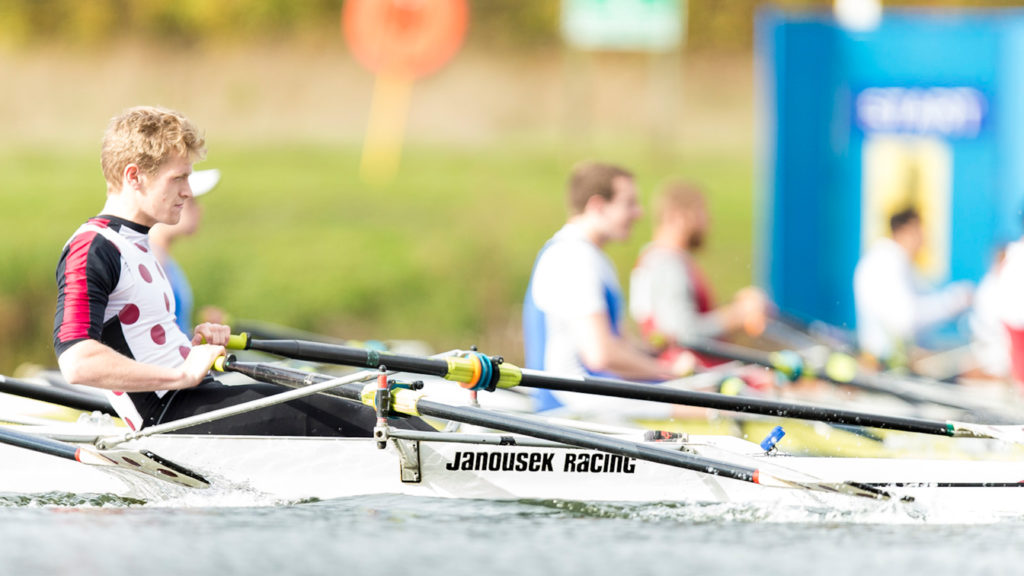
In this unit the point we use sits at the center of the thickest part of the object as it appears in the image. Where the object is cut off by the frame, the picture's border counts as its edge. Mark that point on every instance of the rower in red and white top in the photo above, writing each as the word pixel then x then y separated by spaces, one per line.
pixel 112 289
pixel 670 297
pixel 115 327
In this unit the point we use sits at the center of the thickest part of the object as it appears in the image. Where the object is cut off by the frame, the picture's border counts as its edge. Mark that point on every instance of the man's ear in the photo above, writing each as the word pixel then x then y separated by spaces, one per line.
pixel 132 175
pixel 595 202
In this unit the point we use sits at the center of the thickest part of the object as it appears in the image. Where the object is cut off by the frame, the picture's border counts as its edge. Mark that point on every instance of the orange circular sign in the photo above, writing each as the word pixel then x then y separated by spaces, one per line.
pixel 405 37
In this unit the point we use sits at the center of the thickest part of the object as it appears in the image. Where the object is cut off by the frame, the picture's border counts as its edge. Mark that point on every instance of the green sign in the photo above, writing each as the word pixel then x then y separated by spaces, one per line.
pixel 625 25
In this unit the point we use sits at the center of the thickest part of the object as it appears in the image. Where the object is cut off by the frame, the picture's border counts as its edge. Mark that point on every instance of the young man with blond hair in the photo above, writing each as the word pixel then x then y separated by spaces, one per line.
pixel 115 327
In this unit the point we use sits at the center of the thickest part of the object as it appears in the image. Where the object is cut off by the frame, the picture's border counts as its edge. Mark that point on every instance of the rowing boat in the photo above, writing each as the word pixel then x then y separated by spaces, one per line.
pixel 512 467
pixel 527 458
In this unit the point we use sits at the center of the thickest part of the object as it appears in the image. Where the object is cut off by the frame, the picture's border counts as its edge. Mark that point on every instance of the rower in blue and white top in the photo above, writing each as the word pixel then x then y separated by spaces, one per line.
pixel 573 310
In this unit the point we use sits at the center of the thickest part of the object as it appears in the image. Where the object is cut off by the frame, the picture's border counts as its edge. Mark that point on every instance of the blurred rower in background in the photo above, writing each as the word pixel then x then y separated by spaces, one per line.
pixel 894 305
pixel 1009 286
pixel 573 322
pixel 990 342
pixel 670 297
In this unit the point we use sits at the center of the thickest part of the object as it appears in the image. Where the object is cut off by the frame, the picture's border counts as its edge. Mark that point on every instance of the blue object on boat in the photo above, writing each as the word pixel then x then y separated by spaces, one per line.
pixel 772 438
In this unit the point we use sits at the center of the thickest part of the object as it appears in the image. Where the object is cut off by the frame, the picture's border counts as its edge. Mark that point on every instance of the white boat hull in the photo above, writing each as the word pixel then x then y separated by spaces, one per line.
pixel 291 469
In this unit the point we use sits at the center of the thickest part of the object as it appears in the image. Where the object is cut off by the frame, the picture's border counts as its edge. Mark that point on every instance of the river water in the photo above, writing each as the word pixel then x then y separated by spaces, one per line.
pixel 62 534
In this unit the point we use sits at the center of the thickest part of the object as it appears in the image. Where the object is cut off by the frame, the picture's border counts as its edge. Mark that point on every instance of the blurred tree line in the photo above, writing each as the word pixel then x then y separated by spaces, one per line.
pixel 713 25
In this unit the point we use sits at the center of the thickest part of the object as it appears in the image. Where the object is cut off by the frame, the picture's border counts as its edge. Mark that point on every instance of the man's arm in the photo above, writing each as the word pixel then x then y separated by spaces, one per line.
pixel 939 306
pixel 92 363
pixel 601 350
pixel 673 303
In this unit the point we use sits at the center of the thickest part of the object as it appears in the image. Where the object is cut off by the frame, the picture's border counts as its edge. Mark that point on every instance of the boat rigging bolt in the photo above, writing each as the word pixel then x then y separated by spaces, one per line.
pixel 382 404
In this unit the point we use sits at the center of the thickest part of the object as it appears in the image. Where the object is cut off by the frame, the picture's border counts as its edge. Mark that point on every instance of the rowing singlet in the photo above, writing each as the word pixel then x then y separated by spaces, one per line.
pixel 669 297
pixel 571 278
pixel 112 289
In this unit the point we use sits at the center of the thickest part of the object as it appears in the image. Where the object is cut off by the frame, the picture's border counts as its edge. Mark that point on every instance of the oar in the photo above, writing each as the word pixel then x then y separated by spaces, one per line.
pixel 69 398
pixel 414 403
pixel 470 371
pixel 841 369
pixel 139 460
pixel 838 367
pixel 931 367
pixel 798 332
pixel 268 330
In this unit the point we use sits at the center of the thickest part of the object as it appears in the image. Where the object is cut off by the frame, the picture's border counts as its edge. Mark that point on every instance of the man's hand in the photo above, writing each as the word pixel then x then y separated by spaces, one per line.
pixel 210 333
pixel 752 308
pixel 685 364
pixel 198 363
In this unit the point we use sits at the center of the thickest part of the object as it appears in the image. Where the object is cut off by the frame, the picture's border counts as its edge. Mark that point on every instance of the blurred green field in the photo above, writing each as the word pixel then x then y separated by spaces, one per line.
pixel 293 236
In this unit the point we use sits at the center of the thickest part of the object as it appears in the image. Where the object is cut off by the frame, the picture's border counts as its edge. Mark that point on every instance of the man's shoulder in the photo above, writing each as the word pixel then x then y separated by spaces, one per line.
pixel 89 247
pixel 656 257
pixel 570 249
pixel 89 234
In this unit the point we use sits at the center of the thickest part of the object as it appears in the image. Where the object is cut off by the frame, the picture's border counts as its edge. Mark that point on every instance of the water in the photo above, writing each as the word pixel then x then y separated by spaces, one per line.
pixel 72 535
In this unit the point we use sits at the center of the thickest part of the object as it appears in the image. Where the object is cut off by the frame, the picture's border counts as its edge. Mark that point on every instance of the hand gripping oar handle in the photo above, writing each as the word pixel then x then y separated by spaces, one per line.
pixel 414 403
pixel 460 370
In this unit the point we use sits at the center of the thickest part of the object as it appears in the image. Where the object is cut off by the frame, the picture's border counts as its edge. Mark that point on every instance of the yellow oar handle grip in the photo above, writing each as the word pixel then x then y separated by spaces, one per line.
pixel 841 367
pixel 238 341
pixel 235 341
pixel 218 364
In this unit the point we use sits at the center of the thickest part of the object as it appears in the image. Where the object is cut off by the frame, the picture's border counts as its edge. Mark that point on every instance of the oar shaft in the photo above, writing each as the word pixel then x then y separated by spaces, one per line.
pixel 349 356
pixel 479 417
pixel 731 352
pixel 839 368
pixel 664 394
pixel 142 461
pixel 38 444
pixel 319 352
pixel 69 398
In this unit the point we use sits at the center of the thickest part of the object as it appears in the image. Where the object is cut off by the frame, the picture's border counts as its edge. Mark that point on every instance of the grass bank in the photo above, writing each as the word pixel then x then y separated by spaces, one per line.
pixel 293 236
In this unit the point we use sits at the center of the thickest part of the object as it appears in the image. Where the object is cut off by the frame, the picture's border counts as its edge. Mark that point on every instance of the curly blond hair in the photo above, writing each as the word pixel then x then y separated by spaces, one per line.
pixel 147 136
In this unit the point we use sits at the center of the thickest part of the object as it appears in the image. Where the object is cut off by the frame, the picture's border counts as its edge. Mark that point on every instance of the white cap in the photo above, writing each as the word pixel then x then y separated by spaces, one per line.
pixel 202 181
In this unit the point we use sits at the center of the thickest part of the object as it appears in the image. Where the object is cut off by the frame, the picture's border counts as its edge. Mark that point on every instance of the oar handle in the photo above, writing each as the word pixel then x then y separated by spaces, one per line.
pixel 220 364
pixel 235 341
pixel 238 341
